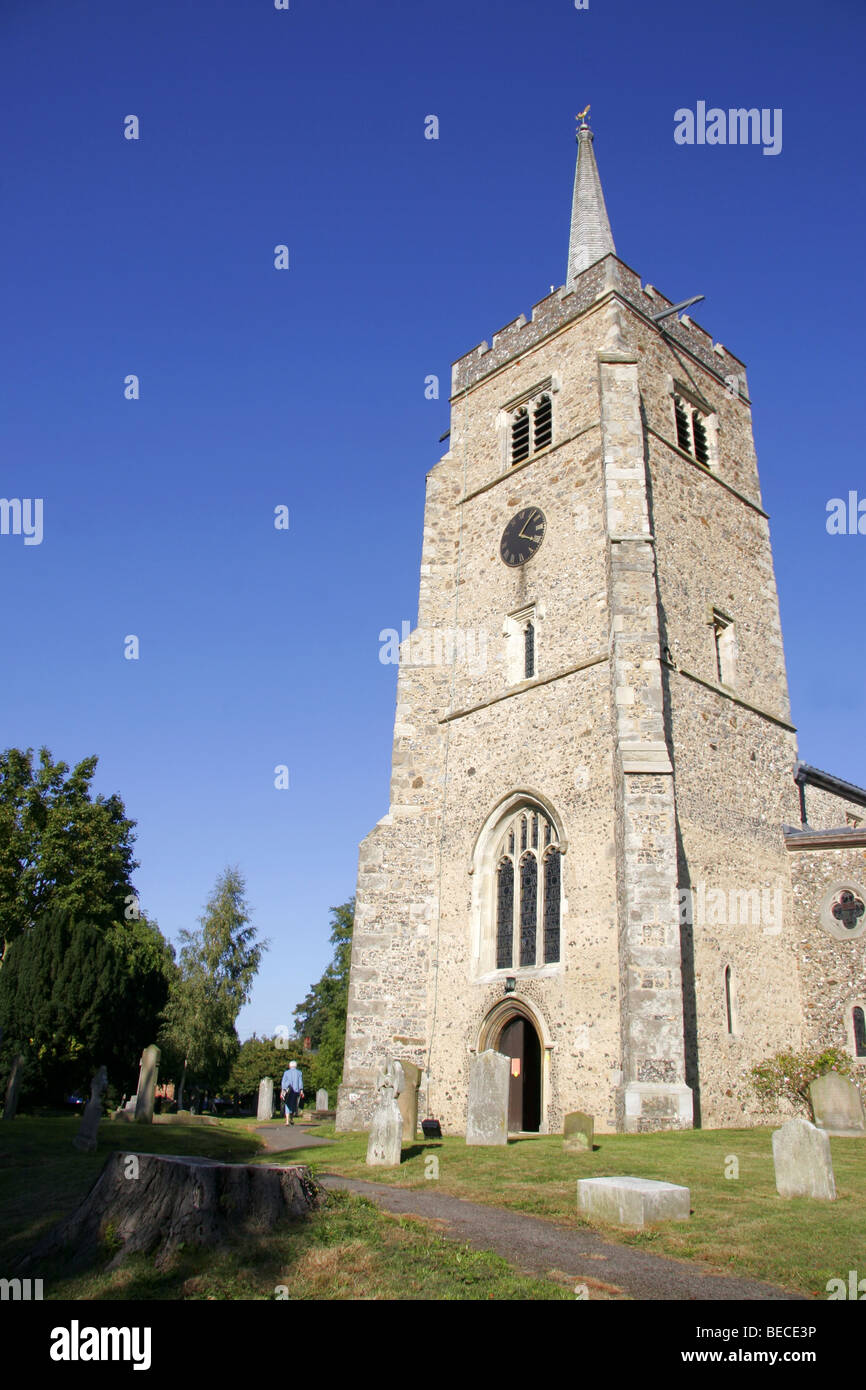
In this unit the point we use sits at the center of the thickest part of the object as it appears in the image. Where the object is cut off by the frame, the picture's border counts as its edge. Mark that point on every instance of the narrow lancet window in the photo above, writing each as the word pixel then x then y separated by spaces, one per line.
pixel 729 1011
pixel 528 908
pixel 528 651
pixel 504 915
pixel 551 905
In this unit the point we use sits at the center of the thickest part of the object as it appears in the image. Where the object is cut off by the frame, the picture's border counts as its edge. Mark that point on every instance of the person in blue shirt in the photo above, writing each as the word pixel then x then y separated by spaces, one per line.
pixel 291 1091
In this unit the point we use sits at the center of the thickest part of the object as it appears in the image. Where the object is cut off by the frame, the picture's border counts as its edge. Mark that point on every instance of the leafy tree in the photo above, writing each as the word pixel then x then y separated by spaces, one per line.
pixel 59 846
pixel 218 964
pixel 787 1076
pixel 322 1015
pixel 260 1057
pixel 74 996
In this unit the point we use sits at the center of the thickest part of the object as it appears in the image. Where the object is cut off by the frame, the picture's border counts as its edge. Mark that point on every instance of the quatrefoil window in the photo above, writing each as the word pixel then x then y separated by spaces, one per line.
pixel 848 909
pixel 843 910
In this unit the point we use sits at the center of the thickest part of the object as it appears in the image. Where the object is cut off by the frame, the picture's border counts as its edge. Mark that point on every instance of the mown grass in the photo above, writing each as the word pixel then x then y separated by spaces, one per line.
pixel 348 1250
pixel 739 1225
pixel 43 1178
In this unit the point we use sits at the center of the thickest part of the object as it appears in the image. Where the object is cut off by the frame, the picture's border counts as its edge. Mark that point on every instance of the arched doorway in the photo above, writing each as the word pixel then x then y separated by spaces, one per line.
pixel 514 1027
pixel 519 1041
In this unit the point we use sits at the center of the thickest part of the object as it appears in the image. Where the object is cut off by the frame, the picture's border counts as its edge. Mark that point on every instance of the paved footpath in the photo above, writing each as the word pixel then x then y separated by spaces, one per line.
pixel 537 1246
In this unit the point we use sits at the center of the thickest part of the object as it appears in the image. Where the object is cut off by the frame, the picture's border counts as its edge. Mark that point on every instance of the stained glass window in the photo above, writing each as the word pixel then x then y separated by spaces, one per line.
pixel 504 914
pixel 528 895
pixel 859 1032
pixel 848 909
pixel 551 906
pixel 528 908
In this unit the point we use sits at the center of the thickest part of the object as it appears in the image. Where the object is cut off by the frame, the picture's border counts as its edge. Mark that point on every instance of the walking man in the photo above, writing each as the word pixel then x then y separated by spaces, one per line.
pixel 291 1091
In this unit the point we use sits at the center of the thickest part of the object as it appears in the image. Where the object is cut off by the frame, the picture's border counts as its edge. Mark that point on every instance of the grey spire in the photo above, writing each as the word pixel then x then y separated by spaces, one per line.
pixel 590 230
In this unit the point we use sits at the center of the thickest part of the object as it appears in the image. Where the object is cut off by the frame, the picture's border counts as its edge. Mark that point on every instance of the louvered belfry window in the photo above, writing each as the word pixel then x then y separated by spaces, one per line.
pixel 542 423
pixel 520 436
pixel 528 892
pixel 684 434
pixel 531 427
pixel 692 432
pixel 699 430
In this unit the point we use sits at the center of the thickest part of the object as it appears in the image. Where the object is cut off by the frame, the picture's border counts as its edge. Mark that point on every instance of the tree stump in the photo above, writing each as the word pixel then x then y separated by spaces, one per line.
pixel 154 1203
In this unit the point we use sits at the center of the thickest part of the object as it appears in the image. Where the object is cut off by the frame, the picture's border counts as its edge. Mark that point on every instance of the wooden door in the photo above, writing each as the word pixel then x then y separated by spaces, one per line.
pixel 512 1042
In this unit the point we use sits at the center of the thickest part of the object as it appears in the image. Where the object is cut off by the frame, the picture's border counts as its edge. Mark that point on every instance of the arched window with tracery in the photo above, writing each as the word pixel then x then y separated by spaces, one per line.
pixel 528 890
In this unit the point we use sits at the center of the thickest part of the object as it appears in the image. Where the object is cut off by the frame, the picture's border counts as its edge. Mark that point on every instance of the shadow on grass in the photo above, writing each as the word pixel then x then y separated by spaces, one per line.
pixel 415 1150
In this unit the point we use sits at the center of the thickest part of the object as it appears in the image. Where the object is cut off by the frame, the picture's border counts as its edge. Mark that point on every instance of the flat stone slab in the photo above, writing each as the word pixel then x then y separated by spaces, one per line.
pixel 633 1201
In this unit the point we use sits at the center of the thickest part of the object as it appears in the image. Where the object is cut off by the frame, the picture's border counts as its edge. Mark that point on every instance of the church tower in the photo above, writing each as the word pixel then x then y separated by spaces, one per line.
pixel 592 738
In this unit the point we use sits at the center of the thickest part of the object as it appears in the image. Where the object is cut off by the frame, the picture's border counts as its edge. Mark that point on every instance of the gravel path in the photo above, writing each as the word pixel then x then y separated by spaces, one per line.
pixel 537 1247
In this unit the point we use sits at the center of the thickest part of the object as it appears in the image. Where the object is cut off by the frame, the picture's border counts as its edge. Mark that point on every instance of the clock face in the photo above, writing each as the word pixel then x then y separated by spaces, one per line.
pixel 522 536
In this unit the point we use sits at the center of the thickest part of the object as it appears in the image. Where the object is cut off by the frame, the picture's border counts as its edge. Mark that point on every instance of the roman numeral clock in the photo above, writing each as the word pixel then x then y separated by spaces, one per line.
pixel 522 536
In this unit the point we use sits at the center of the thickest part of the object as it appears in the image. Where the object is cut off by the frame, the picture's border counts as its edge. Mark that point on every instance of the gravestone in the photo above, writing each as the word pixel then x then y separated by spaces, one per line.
pixel 266 1099
pixel 487 1115
pixel 386 1128
pixel 147 1085
pixel 13 1088
pixel 633 1201
pixel 408 1100
pixel 837 1104
pixel 578 1130
pixel 321 1100
pixel 85 1139
pixel 801 1157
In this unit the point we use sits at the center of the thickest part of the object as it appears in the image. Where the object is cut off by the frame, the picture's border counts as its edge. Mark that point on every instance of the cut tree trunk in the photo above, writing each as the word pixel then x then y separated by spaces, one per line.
pixel 154 1203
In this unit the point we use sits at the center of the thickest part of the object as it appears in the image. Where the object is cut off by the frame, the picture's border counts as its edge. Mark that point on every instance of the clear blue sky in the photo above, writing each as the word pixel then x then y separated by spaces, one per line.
pixel 306 387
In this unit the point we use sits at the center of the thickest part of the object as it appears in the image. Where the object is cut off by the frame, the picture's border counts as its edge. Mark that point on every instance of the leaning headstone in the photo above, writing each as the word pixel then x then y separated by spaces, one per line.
pixel 408 1100
pixel 321 1100
pixel 489 1081
pixel 13 1088
pixel 837 1104
pixel 147 1085
pixel 386 1128
pixel 801 1157
pixel 85 1139
pixel 577 1131
pixel 633 1201
pixel 266 1099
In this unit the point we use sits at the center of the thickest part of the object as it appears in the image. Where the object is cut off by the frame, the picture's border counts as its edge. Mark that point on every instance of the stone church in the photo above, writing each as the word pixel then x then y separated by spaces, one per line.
pixel 602 855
